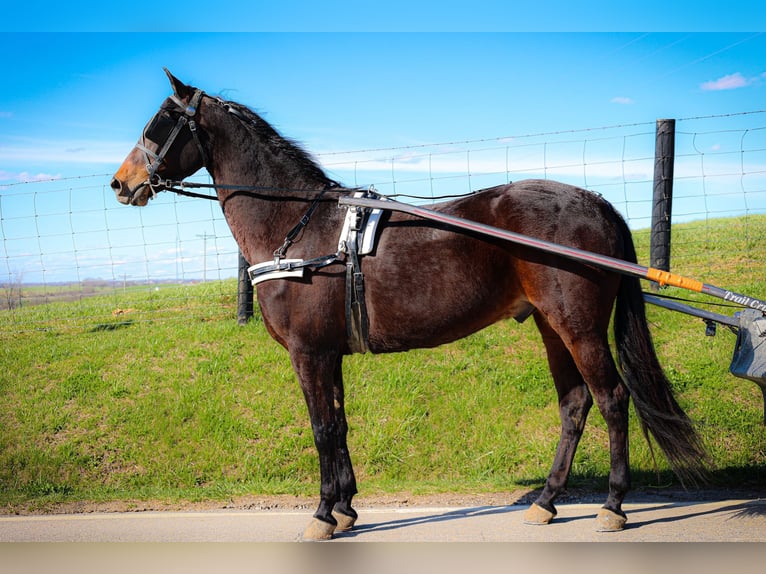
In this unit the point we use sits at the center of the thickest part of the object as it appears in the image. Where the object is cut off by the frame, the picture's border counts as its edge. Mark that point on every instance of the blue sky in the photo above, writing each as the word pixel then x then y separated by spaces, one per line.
pixel 74 103
pixel 392 15
pixel 77 87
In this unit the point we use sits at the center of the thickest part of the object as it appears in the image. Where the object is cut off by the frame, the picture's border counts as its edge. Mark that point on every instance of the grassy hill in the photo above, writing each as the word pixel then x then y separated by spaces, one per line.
pixel 158 393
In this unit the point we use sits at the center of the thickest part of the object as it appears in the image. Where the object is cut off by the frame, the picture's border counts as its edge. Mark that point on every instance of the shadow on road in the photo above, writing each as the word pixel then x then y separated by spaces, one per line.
pixel 442 517
pixel 685 511
pixel 738 511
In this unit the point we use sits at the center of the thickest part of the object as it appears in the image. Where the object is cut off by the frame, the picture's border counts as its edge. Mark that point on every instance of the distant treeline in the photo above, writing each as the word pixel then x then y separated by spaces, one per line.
pixel 15 295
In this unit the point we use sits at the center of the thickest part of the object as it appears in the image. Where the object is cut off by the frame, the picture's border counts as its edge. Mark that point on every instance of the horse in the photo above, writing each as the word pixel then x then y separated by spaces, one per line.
pixel 424 284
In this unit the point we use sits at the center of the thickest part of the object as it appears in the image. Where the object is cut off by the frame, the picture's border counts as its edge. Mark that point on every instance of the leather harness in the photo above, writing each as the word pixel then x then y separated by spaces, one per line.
pixel 357 238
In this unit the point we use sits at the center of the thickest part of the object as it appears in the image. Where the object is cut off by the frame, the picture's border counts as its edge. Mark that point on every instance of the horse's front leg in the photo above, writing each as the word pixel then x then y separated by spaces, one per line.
pixel 343 512
pixel 316 376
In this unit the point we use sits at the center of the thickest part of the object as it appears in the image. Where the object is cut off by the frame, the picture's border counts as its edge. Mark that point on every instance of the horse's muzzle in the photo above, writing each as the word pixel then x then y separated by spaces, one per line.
pixel 127 196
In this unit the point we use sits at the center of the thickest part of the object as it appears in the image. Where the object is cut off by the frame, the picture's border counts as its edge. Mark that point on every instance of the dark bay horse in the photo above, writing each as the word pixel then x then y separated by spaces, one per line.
pixel 425 285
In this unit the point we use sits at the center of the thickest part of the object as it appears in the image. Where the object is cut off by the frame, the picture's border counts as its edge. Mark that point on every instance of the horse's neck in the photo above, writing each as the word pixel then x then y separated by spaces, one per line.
pixel 260 220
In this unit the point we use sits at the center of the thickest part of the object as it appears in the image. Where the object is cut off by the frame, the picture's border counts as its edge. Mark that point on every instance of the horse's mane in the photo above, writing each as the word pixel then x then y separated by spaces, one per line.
pixel 292 149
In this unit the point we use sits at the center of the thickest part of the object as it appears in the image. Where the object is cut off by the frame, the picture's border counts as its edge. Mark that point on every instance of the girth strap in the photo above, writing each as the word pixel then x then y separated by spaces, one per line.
pixel 357 322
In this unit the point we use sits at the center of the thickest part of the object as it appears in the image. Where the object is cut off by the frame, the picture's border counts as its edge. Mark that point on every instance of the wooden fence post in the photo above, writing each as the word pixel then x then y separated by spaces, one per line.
pixel 244 293
pixel 662 202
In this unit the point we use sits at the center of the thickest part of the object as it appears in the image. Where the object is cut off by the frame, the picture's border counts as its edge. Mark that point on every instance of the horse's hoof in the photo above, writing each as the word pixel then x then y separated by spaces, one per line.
pixel 609 521
pixel 537 515
pixel 345 522
pixel 318 530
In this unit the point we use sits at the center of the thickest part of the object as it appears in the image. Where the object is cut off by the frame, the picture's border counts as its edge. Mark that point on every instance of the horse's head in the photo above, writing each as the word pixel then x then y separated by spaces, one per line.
pixel 170 147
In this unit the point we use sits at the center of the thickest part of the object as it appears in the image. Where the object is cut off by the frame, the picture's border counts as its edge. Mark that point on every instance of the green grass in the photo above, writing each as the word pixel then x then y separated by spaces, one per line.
pixel 159 394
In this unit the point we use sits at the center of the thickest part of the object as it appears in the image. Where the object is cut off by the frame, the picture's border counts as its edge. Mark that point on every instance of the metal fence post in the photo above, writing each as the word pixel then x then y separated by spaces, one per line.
pixel 662 202
pixel 244 292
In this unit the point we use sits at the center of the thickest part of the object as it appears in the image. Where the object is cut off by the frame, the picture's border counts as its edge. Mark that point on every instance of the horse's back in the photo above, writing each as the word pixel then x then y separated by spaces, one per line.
pixel 429 283
pixel 545 209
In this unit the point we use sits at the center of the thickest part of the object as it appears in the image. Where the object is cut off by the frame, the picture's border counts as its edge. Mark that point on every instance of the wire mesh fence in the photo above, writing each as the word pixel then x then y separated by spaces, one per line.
pixel 68 240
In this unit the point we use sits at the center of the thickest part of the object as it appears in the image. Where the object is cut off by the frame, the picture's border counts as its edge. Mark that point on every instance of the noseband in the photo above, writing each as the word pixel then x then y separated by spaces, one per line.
pixel 154 160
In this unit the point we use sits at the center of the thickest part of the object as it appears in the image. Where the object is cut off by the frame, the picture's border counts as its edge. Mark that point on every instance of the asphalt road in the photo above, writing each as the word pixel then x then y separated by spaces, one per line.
pixel 736 520
pixel 259 541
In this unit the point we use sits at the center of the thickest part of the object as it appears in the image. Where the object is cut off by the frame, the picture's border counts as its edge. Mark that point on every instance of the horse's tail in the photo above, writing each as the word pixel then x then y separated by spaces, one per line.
pixel 659 413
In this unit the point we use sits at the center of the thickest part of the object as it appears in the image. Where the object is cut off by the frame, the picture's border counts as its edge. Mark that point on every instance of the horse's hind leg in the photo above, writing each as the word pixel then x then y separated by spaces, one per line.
pixel 613 401
pixel 574 403
pixel 595 362
pixel 343 512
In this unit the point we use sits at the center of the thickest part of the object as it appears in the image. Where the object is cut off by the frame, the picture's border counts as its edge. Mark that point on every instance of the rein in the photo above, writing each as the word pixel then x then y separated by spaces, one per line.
pixel 280 264
pixel 180 188
pixel 279 253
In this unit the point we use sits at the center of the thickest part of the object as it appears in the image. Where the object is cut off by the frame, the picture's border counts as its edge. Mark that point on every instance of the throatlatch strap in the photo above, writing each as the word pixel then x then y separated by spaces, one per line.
pixel 295 231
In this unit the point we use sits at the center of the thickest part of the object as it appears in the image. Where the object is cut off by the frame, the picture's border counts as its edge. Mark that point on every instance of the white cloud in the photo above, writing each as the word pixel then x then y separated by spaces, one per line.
pixel 60 151
pixel 622 100
pixel 26 177
pixel 729 82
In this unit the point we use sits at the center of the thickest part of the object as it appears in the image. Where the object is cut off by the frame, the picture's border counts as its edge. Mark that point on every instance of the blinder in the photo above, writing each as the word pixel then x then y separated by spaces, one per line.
pixel 159 127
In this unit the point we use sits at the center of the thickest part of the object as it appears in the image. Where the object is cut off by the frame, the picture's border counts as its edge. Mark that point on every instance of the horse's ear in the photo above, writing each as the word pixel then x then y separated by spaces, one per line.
pixel 179 88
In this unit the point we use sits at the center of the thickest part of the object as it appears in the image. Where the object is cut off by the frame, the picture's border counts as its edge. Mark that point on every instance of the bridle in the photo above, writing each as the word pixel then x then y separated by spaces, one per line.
pixel 159 131
pixel 157 128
